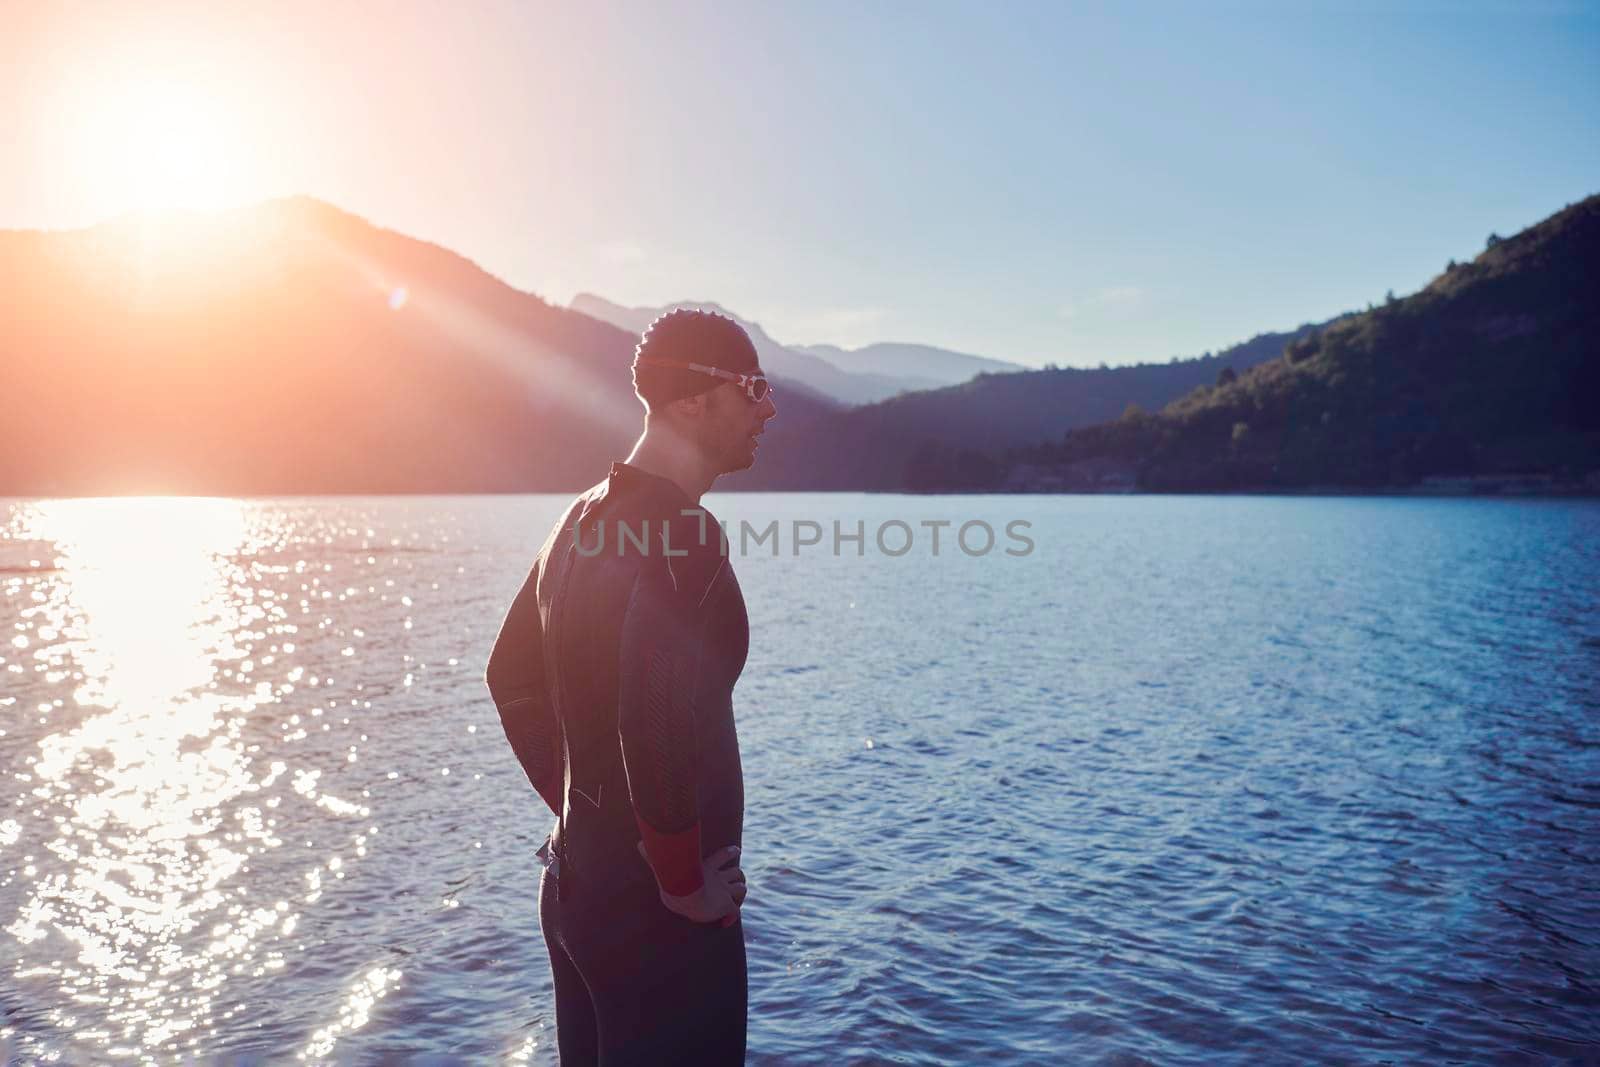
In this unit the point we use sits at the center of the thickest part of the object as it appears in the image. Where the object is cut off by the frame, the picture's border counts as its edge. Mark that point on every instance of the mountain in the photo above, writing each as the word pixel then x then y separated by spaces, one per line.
pixel 839 383
pixel 290 347
pixel 1486 379
pixel 872 447
pixel 926 365
pixel 633 320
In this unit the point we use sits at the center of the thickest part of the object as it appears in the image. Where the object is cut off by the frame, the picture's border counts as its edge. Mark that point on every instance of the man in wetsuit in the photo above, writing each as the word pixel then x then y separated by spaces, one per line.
pixel 613 674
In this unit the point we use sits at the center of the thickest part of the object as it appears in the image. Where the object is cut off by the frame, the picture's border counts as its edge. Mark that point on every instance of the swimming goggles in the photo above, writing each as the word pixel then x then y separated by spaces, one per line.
pixel 755 386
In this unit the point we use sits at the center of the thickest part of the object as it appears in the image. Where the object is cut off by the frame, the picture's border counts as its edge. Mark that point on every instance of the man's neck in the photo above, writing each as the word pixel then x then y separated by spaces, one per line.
pixel 669 456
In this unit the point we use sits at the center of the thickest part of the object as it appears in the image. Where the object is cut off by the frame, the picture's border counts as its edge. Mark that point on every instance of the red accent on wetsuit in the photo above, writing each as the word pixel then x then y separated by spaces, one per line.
pixel 674 858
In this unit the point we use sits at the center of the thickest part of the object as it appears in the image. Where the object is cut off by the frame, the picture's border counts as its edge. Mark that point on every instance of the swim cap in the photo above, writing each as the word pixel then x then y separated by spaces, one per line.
pixel 688 336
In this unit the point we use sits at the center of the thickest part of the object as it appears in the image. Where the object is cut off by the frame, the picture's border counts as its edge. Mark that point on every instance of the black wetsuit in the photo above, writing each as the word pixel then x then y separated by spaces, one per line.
pixel 613 674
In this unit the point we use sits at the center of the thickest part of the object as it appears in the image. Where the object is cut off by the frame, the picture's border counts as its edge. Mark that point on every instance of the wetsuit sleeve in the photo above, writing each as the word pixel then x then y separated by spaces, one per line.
pixel 661 635
pixel 516 677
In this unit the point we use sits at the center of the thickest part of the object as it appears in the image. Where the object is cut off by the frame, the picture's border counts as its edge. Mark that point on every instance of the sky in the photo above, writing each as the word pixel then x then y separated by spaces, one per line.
pixel 1045 183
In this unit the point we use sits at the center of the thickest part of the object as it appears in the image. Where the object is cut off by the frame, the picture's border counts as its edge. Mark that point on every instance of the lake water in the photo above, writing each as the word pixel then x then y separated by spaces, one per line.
pixel 1196 780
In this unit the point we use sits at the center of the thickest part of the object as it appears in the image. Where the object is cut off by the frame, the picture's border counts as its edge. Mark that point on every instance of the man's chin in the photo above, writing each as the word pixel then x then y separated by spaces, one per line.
pixel 741 461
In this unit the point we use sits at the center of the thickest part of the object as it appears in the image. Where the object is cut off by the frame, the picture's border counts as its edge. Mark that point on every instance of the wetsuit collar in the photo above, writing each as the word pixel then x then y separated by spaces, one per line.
pixel 627 475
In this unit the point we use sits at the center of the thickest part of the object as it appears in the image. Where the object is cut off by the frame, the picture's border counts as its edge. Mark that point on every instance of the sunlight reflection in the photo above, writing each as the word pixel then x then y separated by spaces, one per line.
pixel 136 780
pixel 356 1010
pixel 523 1053
pixel 145 580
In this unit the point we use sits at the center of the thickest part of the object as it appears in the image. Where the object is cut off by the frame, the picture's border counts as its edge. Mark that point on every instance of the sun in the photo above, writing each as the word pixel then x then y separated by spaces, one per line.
pixel 157 144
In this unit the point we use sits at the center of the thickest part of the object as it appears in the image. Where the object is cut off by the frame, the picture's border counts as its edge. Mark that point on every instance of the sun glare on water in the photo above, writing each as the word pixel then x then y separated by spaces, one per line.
pixel 165 836
pixel 141 769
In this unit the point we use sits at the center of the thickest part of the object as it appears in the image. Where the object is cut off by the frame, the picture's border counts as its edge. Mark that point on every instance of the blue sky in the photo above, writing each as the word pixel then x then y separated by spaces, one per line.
pixel 1060 183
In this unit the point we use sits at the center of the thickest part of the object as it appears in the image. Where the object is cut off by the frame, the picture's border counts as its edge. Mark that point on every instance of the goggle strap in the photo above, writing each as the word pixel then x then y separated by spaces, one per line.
pixel 747 380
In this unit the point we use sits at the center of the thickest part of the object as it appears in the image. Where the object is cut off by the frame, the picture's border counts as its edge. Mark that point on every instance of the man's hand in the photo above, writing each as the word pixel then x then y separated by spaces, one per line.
pixel 718 900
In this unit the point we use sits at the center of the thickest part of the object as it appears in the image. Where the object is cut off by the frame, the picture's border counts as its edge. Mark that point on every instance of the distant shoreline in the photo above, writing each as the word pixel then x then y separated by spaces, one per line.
pixel 1561 491
pixel 1093 480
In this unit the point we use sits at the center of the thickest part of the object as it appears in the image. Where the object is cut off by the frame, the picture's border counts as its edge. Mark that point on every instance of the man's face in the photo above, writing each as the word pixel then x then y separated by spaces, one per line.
pixel 731 425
